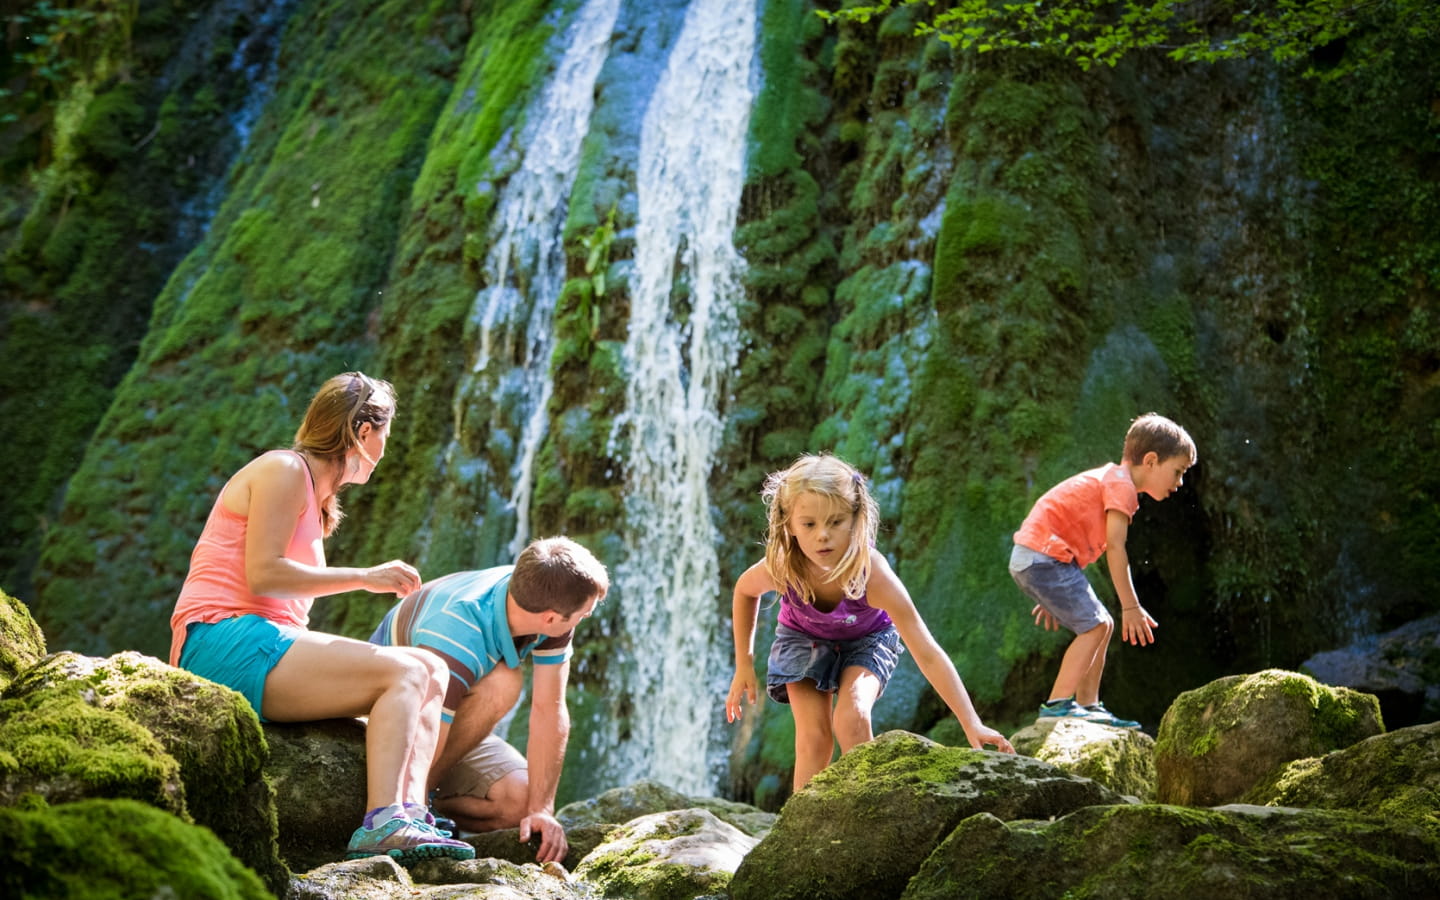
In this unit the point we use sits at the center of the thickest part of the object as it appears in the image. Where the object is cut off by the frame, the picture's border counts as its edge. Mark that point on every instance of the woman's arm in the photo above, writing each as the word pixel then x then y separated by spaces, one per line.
pixel 274 489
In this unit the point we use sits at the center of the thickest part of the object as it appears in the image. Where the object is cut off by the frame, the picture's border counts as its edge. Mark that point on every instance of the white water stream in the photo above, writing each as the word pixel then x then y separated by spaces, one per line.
pixel 525 266
pixel 682 344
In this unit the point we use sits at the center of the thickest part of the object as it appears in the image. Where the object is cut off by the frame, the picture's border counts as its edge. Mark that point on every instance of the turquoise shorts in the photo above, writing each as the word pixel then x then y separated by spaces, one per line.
pixel 238 652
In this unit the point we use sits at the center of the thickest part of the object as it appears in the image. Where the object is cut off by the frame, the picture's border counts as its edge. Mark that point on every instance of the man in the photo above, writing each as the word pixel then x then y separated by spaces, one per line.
pixel 483 624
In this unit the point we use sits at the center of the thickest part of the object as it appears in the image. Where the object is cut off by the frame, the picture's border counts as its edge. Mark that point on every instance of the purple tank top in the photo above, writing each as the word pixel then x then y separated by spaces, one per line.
pixel 850 619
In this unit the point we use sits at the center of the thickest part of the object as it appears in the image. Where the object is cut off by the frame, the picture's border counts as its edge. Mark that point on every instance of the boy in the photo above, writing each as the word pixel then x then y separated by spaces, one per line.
pixel 483 624
pixel 1069 528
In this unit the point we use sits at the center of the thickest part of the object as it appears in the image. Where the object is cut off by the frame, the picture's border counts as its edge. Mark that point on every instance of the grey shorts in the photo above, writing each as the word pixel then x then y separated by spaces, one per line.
pixel 1060 587
pixel 475 773
pixel 796 656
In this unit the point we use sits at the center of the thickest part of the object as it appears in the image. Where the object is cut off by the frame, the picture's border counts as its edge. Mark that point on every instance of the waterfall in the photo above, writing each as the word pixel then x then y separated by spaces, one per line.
pixel 525 266
pixel 682 343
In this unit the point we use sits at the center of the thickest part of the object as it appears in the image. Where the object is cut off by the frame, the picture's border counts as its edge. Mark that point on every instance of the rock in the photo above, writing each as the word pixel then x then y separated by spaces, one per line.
pixel 22 644
pixel 677 855
pixel 317 770
pixel 1394 775
pixel 1216 742
pixel 1400 667
pixel 381 878
pixel 620 805
pixel 864 825
pixel 115 848
pixel 505 844
pixel 1175 853
pixel 752 820
pixel 1121 759
pixel 141 729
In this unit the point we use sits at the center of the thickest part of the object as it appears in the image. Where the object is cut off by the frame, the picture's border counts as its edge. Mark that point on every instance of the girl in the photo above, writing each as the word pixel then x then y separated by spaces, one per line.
pixel 843 613
pixel 241 616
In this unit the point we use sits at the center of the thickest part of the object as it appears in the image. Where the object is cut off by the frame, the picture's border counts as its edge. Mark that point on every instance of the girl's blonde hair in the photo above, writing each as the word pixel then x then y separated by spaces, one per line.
pixel 837 481
pixel 332 424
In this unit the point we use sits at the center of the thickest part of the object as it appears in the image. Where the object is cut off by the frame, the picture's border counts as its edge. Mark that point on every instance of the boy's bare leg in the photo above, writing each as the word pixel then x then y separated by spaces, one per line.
pixel 814 741
pixel 1082 666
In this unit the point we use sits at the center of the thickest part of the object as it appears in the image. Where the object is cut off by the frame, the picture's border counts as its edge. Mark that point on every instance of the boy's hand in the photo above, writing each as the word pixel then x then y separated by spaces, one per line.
pixel 1044 619
pixel 1136 626
pixel 742 685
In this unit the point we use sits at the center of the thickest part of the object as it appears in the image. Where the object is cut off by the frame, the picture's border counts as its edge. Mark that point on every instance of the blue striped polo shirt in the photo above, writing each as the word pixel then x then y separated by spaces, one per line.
pixel 461 618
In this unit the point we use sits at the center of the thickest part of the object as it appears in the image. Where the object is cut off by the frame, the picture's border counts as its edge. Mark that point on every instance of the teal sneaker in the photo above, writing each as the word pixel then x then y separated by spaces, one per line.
pixel 407 841
pixel 1102 716
pixel 1063 709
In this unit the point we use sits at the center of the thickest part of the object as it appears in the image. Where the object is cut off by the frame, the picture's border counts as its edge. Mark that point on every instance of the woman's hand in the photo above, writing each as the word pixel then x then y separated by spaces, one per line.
pixel 394 577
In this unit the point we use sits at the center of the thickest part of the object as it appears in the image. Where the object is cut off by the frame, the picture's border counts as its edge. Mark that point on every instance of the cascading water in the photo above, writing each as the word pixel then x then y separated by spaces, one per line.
pixel 683 341
pixel 525 267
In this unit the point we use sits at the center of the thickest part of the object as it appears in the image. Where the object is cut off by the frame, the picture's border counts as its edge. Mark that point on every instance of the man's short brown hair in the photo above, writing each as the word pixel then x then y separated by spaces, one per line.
pixel 556 574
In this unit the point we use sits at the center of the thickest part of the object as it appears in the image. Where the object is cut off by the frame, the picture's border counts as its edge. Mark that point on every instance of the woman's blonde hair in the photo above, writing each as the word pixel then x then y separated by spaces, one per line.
pixel 332 423
pixel 837 481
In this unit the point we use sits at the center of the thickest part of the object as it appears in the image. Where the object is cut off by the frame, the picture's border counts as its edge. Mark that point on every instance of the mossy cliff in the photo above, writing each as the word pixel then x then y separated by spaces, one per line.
pixel 964 274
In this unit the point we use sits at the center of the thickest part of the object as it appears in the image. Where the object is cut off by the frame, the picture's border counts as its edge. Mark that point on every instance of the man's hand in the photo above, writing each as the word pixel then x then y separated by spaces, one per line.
pixel 553 845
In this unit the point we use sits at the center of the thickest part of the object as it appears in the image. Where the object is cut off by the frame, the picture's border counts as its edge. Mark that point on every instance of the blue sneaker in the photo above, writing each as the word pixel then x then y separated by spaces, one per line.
pixel 1063 709
pixel 1102 716
pixel 407 841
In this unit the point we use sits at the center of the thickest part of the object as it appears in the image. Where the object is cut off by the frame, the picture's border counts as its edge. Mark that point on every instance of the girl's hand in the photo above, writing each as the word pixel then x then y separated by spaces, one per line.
pixel 742 685
pixel 394 577
pixel 1044 619
pixel 984 735
pixel 1135 626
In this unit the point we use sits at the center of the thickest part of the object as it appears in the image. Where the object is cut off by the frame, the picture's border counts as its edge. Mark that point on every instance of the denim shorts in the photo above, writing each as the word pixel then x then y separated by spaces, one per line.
pixel 238 652
pixel 796 656
pixel 1060 587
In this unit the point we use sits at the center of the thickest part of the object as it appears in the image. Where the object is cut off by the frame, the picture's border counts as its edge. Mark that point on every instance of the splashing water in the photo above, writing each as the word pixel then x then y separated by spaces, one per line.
pixel 683 341
pixel 525 267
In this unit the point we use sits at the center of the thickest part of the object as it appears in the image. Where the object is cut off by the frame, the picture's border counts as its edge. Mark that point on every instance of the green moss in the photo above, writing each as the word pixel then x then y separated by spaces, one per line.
pixel 112 848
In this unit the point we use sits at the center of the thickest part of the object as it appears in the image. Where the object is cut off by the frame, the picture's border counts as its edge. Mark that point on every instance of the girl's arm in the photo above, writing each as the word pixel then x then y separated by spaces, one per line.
pixel 744 611
pixel 275 486
pixel 884 591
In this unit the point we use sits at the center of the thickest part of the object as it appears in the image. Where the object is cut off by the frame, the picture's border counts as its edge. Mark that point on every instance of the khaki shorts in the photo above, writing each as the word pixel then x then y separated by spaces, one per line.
pixel 475 773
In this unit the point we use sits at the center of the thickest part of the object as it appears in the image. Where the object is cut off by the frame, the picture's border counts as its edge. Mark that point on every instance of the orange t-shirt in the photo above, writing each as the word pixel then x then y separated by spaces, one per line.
pixel 216 587
pixel 1068 522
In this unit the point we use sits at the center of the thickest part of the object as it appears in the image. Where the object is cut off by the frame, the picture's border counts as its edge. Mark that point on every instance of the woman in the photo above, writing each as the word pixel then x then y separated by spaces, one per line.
pixel 242 614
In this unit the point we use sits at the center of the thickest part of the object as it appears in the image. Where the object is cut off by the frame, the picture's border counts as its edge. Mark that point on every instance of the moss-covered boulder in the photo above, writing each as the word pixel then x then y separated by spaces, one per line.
pixel 1215 742
pixel 1396 775
pixel 677 855
pixel 22 644
pixel 1179 853
pixel 317 771
pixel 103 849
pixel 1121 759
pixel 864 825
pixel 141 729
pixel 619 805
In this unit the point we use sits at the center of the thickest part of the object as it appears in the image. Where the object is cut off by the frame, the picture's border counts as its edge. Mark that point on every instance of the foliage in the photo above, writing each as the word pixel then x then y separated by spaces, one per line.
pixel 1091 32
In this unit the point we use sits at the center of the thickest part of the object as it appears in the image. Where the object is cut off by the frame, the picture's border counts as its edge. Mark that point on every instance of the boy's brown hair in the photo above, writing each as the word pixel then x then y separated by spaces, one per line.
pixel 1153 433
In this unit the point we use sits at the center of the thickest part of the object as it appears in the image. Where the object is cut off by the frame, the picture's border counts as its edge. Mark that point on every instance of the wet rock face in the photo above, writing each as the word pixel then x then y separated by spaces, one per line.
pixel 1216 742
pixel 1400 667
